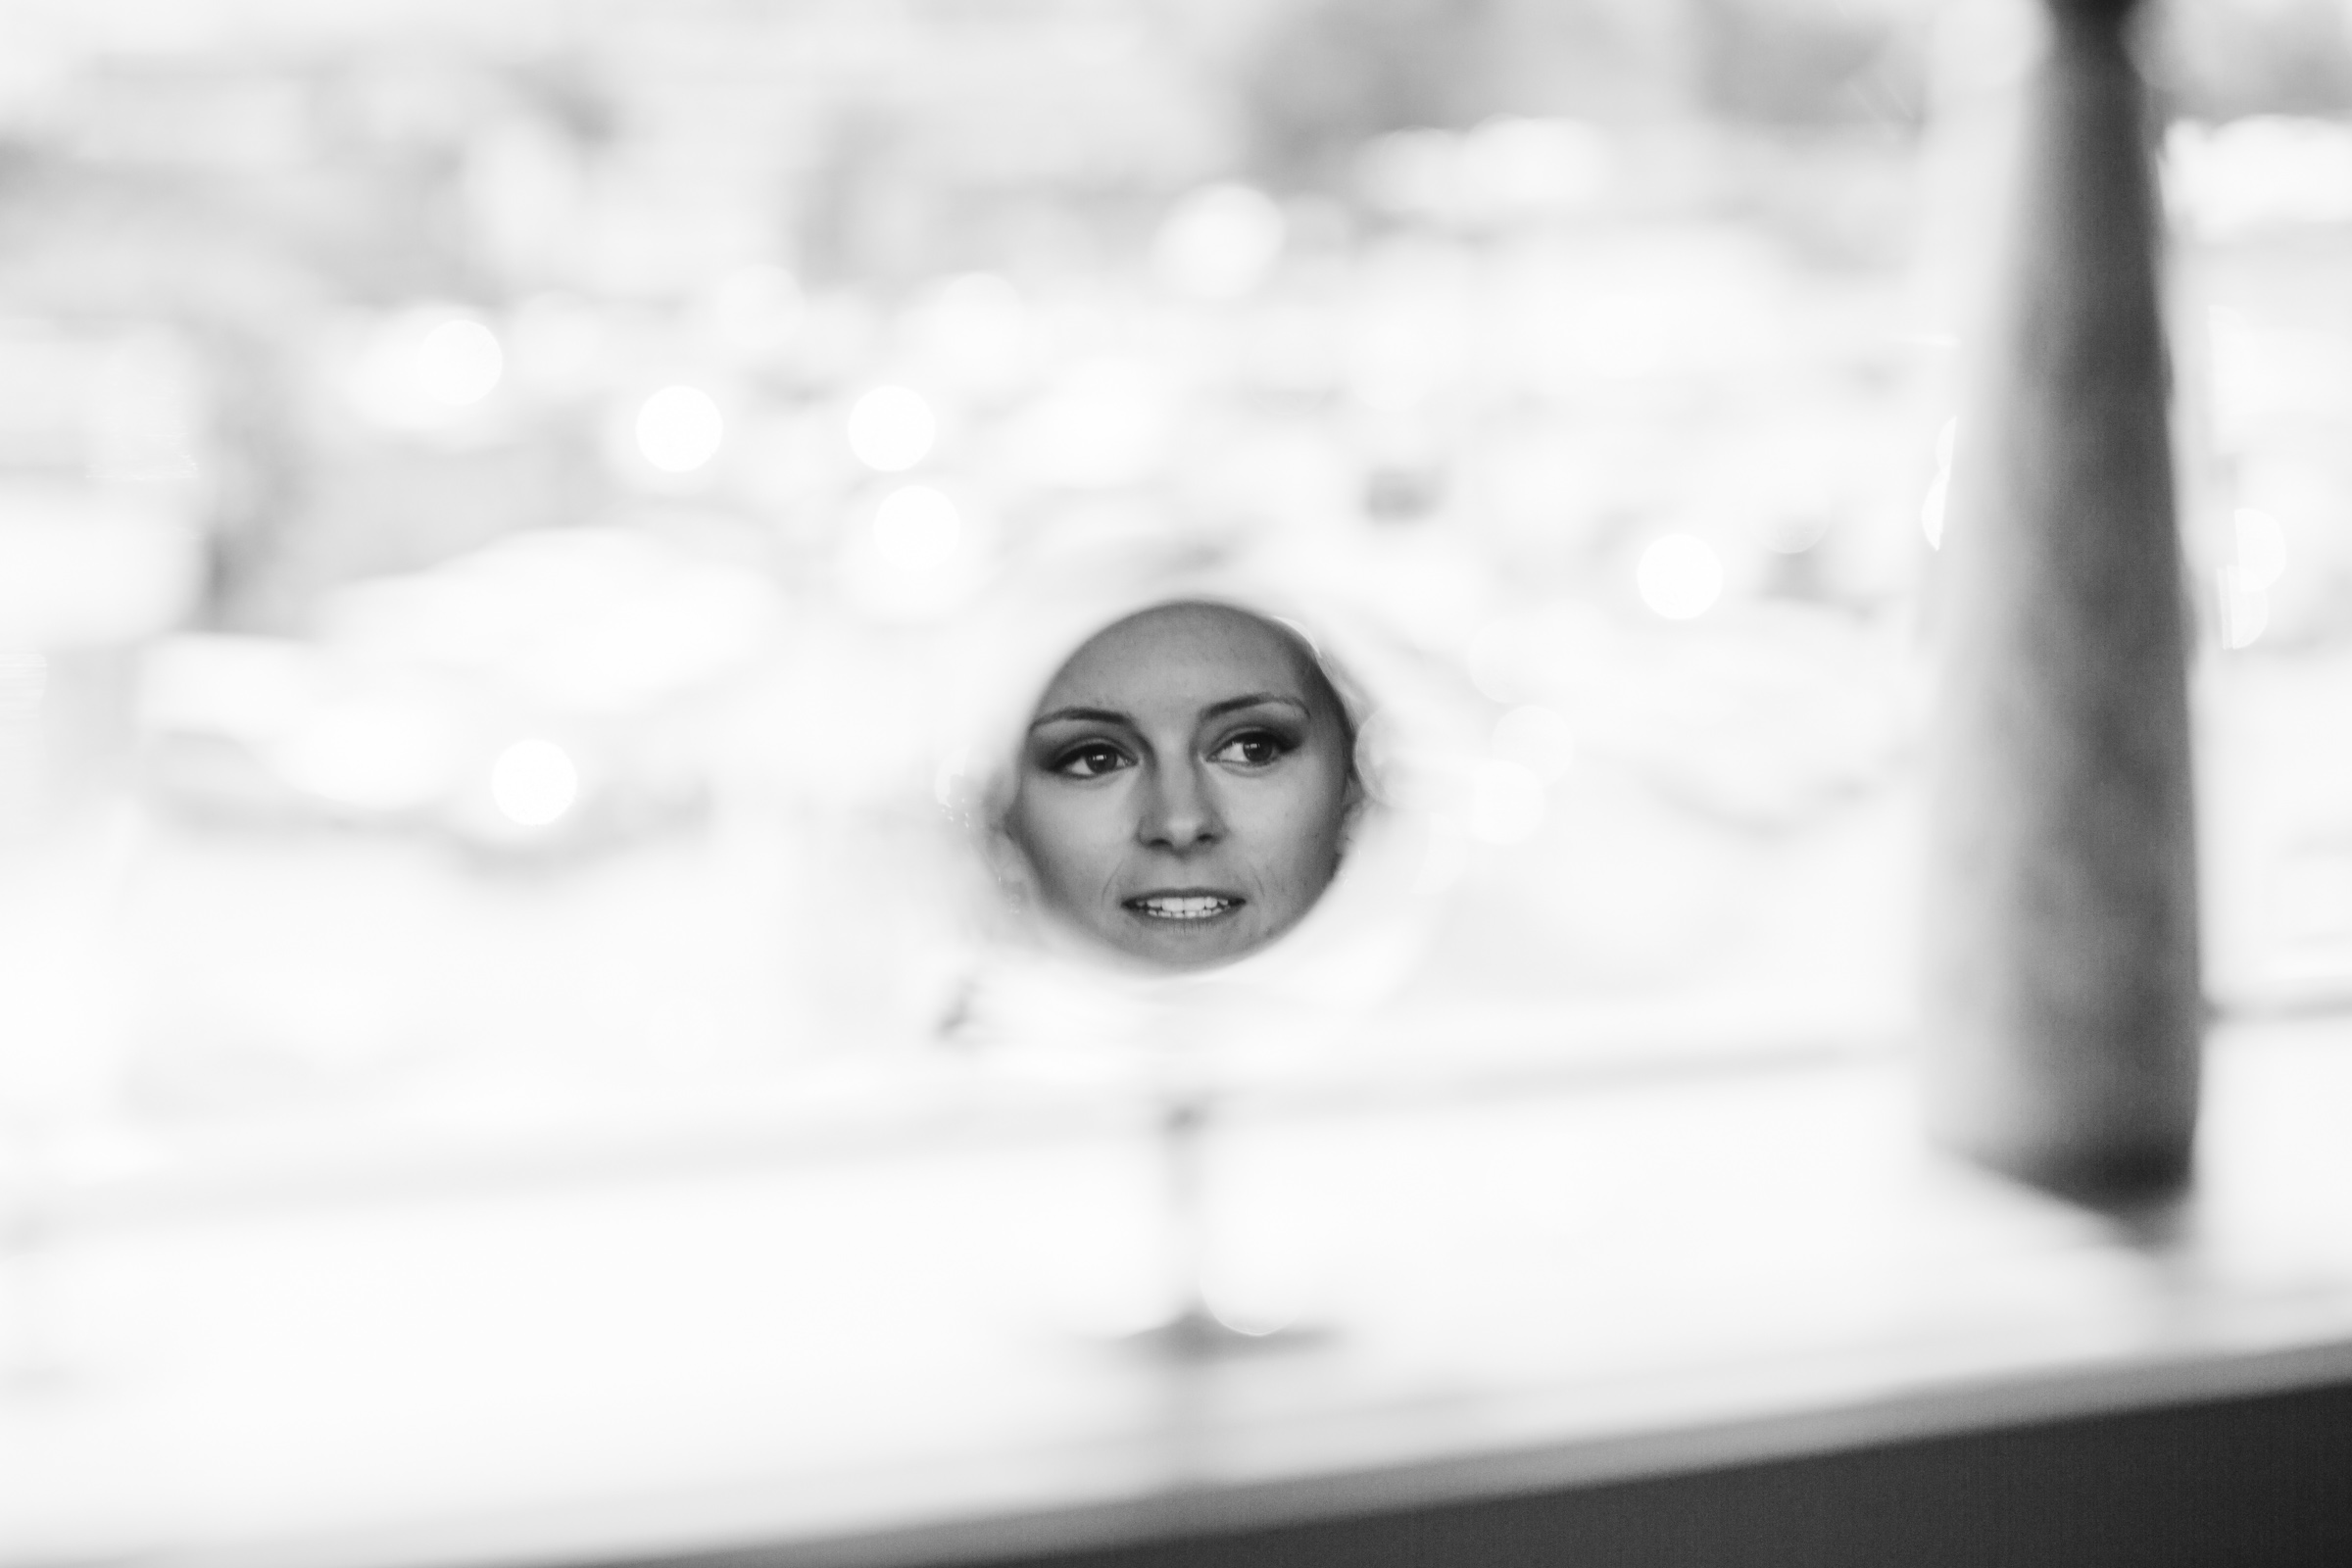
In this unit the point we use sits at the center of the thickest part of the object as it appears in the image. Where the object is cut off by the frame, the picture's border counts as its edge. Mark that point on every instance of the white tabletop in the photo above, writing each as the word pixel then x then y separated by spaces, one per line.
pixel 903 1348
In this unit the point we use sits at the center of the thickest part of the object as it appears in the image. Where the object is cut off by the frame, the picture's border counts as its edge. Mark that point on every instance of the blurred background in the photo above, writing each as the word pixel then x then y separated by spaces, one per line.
pixel 489 492
pixel 496 499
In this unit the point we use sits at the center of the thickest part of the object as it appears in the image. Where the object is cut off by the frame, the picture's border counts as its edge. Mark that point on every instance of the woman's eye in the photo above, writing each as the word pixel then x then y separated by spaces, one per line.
pixel 1252 750
pixel 1090 761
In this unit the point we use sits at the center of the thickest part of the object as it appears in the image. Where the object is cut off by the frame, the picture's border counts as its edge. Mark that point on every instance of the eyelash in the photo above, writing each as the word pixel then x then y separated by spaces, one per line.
pixel 1068 763
pixel 1281 746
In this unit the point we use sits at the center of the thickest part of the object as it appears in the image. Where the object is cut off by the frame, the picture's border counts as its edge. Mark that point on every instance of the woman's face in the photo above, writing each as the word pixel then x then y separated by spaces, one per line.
pixel 1182 786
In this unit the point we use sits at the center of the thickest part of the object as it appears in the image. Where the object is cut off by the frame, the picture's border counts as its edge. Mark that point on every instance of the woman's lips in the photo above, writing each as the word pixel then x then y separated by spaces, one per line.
pixel 1185 905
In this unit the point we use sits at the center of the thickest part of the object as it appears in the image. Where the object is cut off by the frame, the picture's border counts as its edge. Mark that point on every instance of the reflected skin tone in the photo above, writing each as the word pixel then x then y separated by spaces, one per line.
pixel 1183 787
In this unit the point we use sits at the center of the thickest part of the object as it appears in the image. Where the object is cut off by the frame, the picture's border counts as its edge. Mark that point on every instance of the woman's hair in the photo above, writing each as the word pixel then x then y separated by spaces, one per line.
pixel 1001 658
pixel 1345 701
pixel 1012 663
pixel 1010 659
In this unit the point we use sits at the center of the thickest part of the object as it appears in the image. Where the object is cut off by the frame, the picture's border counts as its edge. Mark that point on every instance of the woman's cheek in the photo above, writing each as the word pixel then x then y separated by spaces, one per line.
pixel 1292 819
pixel 1090 829
pixel 1308 835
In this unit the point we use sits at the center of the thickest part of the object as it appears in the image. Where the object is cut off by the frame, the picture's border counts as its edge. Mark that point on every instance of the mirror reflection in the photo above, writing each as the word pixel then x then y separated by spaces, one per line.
pixel 1184 786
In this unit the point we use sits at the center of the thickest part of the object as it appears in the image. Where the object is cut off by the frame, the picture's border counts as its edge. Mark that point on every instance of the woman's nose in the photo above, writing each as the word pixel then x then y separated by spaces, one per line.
pixel 1178 811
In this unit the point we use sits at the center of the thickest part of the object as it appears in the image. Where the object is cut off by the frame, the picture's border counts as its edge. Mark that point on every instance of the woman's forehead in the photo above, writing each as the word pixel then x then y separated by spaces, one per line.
pixel 1177 653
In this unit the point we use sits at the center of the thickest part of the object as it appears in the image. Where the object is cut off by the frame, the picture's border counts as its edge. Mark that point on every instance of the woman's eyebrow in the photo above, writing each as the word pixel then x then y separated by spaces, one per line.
pixel 1091 715
pixel 1252 700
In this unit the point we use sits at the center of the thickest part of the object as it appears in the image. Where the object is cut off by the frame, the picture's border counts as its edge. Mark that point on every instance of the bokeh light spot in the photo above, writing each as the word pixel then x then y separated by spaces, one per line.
pixel 1680 576
pixel 891 428
pixel 534 782
pixel 679 429
pixel 1219 242
pixel 917 528
pixel 458 363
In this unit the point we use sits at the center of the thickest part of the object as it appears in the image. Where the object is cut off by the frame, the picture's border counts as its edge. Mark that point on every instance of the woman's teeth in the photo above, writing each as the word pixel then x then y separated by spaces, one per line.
pixel 1189 906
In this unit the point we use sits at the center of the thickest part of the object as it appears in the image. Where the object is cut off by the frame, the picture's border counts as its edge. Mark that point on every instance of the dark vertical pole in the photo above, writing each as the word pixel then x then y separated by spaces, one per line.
pixel 2062 1013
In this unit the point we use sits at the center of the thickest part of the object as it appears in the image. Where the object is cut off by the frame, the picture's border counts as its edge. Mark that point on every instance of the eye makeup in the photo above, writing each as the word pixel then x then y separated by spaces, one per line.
pixel 1088 758
pixel 1262 739
pixel 1184 786
pixel 1269 743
